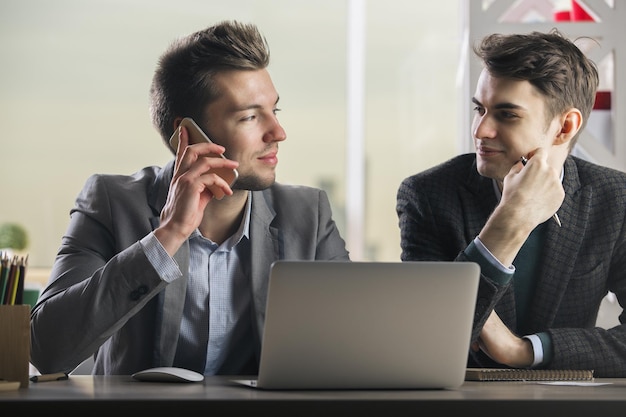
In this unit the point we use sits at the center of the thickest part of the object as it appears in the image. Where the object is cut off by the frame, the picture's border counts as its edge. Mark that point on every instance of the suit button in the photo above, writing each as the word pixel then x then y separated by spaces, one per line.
pixel 136 294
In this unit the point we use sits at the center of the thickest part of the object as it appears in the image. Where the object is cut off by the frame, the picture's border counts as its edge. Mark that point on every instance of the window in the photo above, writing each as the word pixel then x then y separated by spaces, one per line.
pixel 74 100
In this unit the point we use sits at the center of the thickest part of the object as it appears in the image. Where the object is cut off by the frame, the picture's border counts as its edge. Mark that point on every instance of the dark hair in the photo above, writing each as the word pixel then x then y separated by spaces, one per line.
pixel 550 62
pixel 183 81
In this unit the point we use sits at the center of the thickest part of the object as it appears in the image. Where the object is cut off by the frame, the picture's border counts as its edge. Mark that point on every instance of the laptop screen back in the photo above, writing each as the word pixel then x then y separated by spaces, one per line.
pixel 367 325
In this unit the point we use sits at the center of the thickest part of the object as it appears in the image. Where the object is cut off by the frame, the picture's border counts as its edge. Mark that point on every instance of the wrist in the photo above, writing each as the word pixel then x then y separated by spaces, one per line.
pixel 169 239
pixel 537 349
pixel 525 357
pixel 503 236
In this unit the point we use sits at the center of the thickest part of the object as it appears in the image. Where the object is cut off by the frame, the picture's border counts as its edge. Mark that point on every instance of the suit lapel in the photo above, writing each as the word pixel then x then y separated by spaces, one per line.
pixel 563 244
pixel 172 299
pixel 265 248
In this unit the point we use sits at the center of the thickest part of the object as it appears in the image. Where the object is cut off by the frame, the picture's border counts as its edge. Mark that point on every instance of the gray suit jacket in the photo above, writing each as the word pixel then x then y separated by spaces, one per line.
pixel 104 298
pixel 441 210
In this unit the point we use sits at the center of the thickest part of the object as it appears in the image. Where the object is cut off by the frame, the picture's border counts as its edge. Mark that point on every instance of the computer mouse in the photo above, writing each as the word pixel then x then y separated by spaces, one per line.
pixel 168 374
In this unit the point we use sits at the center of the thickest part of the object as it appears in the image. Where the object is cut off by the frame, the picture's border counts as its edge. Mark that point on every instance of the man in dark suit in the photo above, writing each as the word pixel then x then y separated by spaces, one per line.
pixel 170 266
pixel 543 276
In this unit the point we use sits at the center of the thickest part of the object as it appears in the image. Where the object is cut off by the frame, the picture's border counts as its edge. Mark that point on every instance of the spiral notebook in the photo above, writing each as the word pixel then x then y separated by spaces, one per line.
pixel 496 374
pixel 367 325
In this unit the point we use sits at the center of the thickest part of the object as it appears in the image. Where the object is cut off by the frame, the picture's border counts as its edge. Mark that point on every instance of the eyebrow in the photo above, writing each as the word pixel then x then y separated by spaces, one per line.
pixel 254 106
pixel 499 106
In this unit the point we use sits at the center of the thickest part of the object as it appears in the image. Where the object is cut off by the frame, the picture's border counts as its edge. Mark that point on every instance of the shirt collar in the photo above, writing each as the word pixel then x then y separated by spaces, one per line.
pixel 242 231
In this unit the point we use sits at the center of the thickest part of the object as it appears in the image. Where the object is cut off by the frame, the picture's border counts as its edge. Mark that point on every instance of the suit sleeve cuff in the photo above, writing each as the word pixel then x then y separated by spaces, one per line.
pixel 166 266
pixel 537 345
pixel 490 266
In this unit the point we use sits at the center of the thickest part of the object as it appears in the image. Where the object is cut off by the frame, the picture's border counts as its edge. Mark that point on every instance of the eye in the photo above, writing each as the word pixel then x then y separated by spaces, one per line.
pixel 506 115
pixel 276 111
pixel 248 118
pixel 480 110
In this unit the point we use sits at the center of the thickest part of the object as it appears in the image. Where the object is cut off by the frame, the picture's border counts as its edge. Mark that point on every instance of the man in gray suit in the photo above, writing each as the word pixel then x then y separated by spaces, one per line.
pixel 543 276
pixel 170 266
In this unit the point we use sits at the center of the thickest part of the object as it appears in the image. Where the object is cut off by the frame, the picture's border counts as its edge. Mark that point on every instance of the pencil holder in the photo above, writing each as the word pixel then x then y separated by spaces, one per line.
pixel 15 343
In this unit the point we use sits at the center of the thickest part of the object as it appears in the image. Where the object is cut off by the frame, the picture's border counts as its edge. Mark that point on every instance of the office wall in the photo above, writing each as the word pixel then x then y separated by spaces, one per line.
pixel 74 86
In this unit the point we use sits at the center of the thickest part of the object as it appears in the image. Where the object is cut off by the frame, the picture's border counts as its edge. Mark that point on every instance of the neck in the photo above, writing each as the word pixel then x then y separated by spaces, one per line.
pixel 223 217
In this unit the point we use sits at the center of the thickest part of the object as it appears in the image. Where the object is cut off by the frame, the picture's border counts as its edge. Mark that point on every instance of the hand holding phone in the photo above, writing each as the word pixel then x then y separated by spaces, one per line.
pixel 196 135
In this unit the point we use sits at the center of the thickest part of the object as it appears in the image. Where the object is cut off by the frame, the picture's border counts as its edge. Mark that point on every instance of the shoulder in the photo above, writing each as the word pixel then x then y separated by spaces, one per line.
pixel 597 176
pixel 144 184
pixel 601 187
pixel 145 175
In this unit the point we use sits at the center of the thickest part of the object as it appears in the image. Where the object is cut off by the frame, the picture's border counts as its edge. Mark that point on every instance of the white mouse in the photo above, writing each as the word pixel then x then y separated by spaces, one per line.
pixel 168 374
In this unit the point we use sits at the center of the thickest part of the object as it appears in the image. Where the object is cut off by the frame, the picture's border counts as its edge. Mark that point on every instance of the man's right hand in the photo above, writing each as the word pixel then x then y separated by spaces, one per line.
pixel 193 186
pixel 531 195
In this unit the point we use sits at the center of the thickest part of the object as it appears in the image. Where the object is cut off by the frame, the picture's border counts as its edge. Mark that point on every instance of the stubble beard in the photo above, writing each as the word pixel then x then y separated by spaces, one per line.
pixel 253 183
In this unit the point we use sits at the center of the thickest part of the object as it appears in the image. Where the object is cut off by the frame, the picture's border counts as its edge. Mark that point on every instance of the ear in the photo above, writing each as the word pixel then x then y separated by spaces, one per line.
pixel 177 122
pixel 571 121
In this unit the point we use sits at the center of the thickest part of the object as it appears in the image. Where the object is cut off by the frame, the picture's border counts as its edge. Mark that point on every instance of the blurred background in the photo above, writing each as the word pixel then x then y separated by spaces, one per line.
pixel 369 95
pixel 372 91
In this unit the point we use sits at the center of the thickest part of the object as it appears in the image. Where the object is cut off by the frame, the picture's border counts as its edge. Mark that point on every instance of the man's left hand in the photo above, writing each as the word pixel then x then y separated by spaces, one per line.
pixel 501 345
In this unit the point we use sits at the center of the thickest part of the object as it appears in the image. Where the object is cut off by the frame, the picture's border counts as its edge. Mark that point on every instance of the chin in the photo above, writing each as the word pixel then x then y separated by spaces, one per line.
pixel 486 171
pixel 482 167
pixel 252 183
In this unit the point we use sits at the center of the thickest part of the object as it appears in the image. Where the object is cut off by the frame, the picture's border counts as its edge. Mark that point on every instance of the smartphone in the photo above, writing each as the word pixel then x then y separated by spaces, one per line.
pixel 196 135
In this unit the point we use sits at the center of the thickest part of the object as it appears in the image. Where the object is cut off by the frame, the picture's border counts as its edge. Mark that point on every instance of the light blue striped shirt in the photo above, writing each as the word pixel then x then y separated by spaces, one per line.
pixel 217 321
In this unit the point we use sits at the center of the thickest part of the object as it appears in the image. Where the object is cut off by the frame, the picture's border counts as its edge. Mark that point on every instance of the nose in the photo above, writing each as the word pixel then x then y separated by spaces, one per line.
pixel 275 132
pixel 482 127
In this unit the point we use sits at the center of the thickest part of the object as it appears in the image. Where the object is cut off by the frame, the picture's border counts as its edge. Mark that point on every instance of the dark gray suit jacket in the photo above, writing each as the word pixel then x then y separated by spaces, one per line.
pixel 442 209
pixel 105 298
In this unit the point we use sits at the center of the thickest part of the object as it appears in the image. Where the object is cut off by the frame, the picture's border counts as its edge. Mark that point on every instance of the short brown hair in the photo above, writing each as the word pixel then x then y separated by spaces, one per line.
pixel 183 81
pixel 553 64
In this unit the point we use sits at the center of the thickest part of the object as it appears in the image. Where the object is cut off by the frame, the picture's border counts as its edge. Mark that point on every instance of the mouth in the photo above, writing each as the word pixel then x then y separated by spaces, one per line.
pixel 486 152
pixel 270 158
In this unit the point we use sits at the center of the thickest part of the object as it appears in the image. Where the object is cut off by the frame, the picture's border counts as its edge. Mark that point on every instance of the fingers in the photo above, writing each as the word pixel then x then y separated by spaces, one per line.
pixel 538 180
pixel 183 140
pixel 194 184
pixel 204 170
pixel 205 174
pixel 216 186
pixel 539 154
pixel 190 152
pixel 190 192
pixel 199 159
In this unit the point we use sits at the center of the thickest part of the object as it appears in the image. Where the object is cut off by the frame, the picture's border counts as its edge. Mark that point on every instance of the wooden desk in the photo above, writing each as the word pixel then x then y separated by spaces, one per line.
pixel 217 396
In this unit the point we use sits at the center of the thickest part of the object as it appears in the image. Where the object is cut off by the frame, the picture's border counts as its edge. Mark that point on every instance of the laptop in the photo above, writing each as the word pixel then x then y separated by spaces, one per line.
pixel 367 325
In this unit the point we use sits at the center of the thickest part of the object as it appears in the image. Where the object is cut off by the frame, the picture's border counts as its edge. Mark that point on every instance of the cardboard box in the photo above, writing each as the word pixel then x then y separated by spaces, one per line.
pixel 15 343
